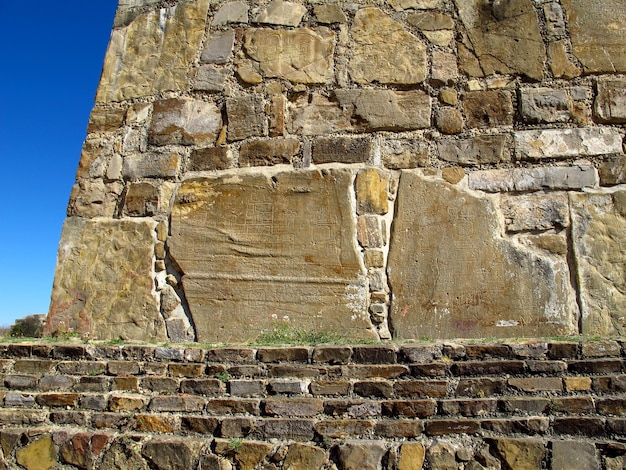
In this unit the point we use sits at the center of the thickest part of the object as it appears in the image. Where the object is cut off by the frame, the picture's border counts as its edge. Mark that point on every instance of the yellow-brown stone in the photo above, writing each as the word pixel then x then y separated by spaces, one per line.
pixel 38 455
pixel 372 192
pixel 411 456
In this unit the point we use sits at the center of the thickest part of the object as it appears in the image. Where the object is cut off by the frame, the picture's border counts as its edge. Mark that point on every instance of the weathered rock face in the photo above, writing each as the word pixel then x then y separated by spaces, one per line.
pixel 598 34
pixel 164 40
pixel 103 283
pixel 452 274
pixel 254 155
pixel 599 224
pixel 502 37
pixel 258 249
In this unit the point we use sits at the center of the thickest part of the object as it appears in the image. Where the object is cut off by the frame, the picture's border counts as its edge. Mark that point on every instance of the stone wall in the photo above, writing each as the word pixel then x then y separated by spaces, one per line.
pixel 519 406
pixel 400 168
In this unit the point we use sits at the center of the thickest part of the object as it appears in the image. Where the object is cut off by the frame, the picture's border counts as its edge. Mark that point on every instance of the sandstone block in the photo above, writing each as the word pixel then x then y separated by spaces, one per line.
pixel 403 154
pixel 293 407
pixel 246 117
pixel 282 13
pixel 210 78
pixel 94 198
pixel 141 200
pixel 399 5
pixel 560 64
pixel 211 158
pixel 94 156
pixel 444 68
pixel 218 48
pixel 578 454
pixel 520 454
pixel 341 149
pixel 540 105
pixel 327 14
pixel 184 121
pixel 567 143
pixel 430 20
pixel 534 212
pixel 317 115
pixel 610 102
pixel 446 302
pixel 411 456
pixel 231 12
pixel 449 121
pixel 502 38
pixel 304 457
pixel 384 51
pixel 268 152
pixel 599 228
pixel 300 55
pixel 40 454
pixel 372 192
pixel 613 171
pixel 105 119
pixel 386 109
pixel 475 150
pixel 598 34
pixel 488 108
pixel 115 252
pixel 361 455
pixel 246 223
pixel 172 452
pixel 164 40
pixel 535 179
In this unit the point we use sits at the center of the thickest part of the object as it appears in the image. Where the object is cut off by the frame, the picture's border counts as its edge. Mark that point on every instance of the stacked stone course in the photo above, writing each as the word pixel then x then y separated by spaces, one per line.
pixel 554 405
pixel 401 168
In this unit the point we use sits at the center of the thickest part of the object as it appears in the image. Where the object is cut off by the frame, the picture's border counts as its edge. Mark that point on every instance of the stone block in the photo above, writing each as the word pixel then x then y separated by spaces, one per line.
pixel 184 121
pixel 172 452
pixel 395 428
pixel 246 388
pixel 374 110
pixel 232 355
pixel 537 384
pixel 221 406
pixel 567 143
pixel 379 389
pixel 329 387
pixel 246 117
pixel 544 105
pixel 384 51
pixel 210 78
pixel 375 371
pixel 478 150
pixel 409 408
pixel 154 423
pixel 288 387
pixel 94 198
pixel 204 387
pixel 231 12
pixel 454 304
pixel 105 119
pixel 501 38
pixel 328 14
pixel 535 212
pixel 40 454
pixel 115 252
pixel 235 427
pixel 598 34
pixel 599 228
pixel 299 55
pixel 449 121
pixel 304 457
pixel 341 150
pixel 610 102
pixel 522 454
pixel 283 354
pixel 372 192
pixel 578 454
pixel 141 200
pixel 331 354
pixel 613 171
pixel 480 387
pixel 488 108
pixel 284 429
pixel 374 354
pixel 421 388
pixel 200 424
pixel 315 114
pixel 181 403
pixel 442 427
pixel 579 426
pixel 293 407
pixel 218 47
pixel 404 154
pixel 412 456
pixel 601 349
pixel 267 152
pixel 279 12
pixel 247 233
pixel 534 179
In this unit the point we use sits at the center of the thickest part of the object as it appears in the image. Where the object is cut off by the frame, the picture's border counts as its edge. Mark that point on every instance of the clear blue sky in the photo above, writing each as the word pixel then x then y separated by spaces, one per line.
pixel 52 55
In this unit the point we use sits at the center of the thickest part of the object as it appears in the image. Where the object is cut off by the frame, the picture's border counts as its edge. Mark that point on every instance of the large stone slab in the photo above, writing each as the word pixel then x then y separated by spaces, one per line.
pixel 598 32
pixel 384 51
pixel 567 143
pixel 153 53
pixel 257 249
pixel 300 55
pixel 599 235
pixel 103 285
pixel 503 37
pixel 453 274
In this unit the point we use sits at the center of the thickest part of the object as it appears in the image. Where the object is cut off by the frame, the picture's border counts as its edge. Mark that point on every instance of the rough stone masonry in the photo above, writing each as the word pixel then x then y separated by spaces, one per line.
pixel 400 168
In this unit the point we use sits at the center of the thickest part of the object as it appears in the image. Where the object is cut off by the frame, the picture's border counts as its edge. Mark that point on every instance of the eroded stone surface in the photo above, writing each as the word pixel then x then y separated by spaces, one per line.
pixel 103 284
pixel 610 104
pixel 384 52
pixel 257 248
pixel 165 40
pixel 184 121
pixel 534 179
pixel 449 265
pixel 503 38
pixel 599 234
pixel 299 55
pixel 567 143
pixel 598 33
pixel 283 13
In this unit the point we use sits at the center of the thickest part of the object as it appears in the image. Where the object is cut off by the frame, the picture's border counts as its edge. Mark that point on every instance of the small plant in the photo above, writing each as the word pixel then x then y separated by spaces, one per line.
pixel 284 333
pixel 224 376
pixel 234 444
pixel 115 342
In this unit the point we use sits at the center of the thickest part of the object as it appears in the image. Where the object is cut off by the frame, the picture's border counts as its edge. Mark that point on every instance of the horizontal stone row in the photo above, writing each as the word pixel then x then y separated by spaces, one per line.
pixel 324 353
pixel 88 450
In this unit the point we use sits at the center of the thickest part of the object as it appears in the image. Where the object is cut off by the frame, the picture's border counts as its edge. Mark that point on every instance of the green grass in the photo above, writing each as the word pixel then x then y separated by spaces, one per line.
pixel 285 334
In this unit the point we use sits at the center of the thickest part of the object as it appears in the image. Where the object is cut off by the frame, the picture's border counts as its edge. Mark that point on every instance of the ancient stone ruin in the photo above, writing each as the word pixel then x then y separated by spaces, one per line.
pixel 382 169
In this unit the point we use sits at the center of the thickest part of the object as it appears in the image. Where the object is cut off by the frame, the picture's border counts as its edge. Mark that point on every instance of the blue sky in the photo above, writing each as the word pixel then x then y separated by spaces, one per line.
pixel 52 55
